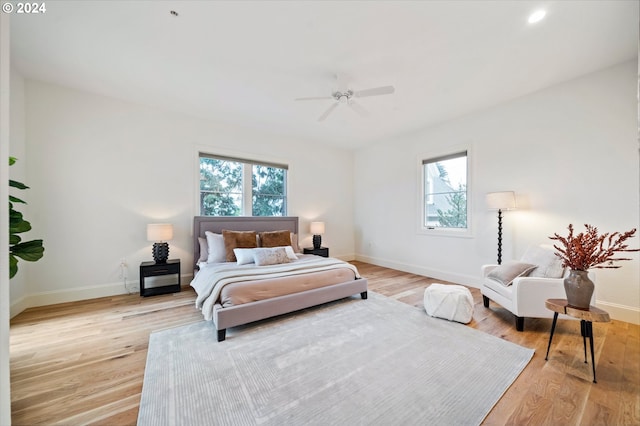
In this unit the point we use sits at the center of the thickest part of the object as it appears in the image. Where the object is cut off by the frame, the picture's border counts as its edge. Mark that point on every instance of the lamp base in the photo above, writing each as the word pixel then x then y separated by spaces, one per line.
pixel 317 241
pixel 499 236
pixel 160 252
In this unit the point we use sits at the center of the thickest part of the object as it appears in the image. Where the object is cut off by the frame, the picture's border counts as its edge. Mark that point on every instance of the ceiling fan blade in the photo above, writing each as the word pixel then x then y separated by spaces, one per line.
pixel 328 111
pixel 358 108
pixel 314 98
pixel 384 90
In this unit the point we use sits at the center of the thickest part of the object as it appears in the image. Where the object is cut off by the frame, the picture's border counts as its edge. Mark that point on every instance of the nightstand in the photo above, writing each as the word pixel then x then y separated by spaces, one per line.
pixel 159 278
pixel 322 251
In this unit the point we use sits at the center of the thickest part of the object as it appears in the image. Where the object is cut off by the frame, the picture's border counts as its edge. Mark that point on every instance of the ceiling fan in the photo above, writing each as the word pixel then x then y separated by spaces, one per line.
pixel 347 97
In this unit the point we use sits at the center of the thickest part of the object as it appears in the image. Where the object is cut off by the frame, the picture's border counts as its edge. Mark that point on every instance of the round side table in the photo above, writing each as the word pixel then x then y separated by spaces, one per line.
pixel 586 317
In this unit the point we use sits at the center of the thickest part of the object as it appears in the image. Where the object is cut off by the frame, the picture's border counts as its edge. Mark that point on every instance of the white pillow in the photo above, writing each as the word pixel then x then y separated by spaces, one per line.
pixel 217 251
pixel 204 250
pixel 270 256
pixel 290 253
pixel 549 265
pixel 243 255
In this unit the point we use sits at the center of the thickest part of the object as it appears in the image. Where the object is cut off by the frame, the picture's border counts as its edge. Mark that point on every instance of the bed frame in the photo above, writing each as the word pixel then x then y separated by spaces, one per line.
pixel 224 318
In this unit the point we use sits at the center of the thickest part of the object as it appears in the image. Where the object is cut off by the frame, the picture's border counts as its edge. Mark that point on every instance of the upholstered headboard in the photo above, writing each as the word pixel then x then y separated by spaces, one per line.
pixel 216 224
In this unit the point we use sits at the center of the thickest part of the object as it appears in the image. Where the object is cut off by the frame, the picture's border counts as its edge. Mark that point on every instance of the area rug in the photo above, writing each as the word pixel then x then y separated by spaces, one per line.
pixel 374 361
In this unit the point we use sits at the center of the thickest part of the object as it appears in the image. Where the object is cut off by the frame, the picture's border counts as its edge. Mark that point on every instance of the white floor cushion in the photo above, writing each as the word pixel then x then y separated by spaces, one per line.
pixel 451 302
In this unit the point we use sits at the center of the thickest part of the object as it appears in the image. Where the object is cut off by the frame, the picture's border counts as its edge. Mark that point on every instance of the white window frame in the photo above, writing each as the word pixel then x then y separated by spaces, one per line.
pixel 247 173
pixel 440 231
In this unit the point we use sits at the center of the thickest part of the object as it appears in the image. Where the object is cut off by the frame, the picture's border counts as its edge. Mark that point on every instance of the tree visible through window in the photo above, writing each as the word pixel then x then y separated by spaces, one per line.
pixel 234 187
pixel 268 188
pixel 445 191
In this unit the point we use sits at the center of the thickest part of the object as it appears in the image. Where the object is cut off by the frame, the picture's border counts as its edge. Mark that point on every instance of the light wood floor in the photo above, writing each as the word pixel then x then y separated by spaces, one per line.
pixel 83 362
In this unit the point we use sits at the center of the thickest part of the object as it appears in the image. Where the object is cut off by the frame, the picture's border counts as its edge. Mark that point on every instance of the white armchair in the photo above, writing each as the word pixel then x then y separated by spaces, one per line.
pixel 527 293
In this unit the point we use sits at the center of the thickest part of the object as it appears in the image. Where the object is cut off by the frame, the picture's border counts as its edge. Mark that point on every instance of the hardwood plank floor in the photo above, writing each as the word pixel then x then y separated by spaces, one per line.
pixel 83 362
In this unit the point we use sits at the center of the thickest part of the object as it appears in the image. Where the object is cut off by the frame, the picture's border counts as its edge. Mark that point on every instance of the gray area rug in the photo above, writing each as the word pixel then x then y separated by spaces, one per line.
pixel 375 361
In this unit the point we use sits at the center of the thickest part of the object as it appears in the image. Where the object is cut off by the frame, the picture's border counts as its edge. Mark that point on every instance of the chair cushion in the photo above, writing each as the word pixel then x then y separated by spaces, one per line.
pixel 507 272
pixel 504 291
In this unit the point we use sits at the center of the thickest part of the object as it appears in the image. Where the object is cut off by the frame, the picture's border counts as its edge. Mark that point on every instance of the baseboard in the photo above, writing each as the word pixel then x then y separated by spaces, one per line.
pixel 79 293
pixel 346 257
pixel 616 311
pixel 468 280
pixel 18 306
pixel 620 312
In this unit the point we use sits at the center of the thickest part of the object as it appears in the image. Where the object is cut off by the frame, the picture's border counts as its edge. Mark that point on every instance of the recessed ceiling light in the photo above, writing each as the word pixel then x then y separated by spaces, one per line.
pixel 537 16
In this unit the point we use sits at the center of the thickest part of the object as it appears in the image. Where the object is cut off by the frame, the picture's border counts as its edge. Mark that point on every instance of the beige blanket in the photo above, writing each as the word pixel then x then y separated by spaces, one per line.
pixel 211 279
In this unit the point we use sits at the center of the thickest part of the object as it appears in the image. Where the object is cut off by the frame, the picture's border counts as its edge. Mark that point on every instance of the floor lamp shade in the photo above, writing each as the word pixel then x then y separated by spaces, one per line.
pixel 160 233
pixel 505 200
pixel 317 229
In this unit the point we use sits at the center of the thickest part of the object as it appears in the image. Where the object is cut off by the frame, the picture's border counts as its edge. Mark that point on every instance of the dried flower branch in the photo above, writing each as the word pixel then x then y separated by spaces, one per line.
pixel 590 250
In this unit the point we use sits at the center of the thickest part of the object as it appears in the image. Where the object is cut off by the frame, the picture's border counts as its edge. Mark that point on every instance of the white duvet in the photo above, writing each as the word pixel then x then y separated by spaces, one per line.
pixel 211 279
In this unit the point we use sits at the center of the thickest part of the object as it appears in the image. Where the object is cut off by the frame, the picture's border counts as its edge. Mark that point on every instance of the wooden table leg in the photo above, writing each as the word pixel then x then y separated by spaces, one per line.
pixel 553 328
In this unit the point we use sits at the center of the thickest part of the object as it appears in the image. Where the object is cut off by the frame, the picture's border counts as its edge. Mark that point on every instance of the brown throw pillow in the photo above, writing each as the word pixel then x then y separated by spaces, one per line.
pixel 275 239
pixel 237 239
pixel 507 272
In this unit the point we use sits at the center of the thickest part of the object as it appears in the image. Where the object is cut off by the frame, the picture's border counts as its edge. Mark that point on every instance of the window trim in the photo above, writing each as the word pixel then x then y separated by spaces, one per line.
pixel 242 160
pixel 248 163
pixel 439 155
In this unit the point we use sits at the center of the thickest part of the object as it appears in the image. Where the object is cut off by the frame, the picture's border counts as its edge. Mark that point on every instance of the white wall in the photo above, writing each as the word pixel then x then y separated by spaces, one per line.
pixel 100 169
pixel 5 59
pixel 570 152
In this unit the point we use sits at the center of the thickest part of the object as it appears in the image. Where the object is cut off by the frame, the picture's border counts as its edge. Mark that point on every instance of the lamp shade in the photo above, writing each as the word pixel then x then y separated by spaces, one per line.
pixel 505 200
pixel 159 232
pixel 317 228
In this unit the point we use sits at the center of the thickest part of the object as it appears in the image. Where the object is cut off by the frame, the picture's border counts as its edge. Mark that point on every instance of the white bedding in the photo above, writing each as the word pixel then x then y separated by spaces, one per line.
pixel 211 279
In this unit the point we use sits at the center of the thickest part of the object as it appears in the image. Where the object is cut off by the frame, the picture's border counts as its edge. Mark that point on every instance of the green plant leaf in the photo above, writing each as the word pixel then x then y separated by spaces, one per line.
pixel 17 224
pixel 15 215
pixel 15 200
pixel 16 184
pixel 29 250
pixel 13 266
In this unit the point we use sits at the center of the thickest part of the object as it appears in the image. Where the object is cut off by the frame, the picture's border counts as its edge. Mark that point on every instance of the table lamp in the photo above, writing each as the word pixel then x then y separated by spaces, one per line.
pixel 160 233
pixel 317 229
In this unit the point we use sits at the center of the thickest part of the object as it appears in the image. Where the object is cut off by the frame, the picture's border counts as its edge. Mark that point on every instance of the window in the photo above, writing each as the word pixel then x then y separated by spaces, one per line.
pixel 236 187
pixel 444 198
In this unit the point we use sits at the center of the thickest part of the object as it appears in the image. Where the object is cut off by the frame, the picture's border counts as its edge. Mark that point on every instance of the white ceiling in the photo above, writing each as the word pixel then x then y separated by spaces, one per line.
pixel 245 62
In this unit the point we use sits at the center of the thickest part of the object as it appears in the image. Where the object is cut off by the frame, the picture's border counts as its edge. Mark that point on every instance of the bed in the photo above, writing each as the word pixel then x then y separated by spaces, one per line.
pixel 264 291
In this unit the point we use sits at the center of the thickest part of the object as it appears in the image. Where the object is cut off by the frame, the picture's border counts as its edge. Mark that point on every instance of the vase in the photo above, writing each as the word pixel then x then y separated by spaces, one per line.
pixel 579 289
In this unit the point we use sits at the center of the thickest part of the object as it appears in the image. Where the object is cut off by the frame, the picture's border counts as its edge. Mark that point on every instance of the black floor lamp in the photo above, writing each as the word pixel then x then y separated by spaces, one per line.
pixel 505 200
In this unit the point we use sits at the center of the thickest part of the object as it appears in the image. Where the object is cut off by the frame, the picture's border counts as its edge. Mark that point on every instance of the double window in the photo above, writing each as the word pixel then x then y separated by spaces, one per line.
pixel 444 197
pixel 238 187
